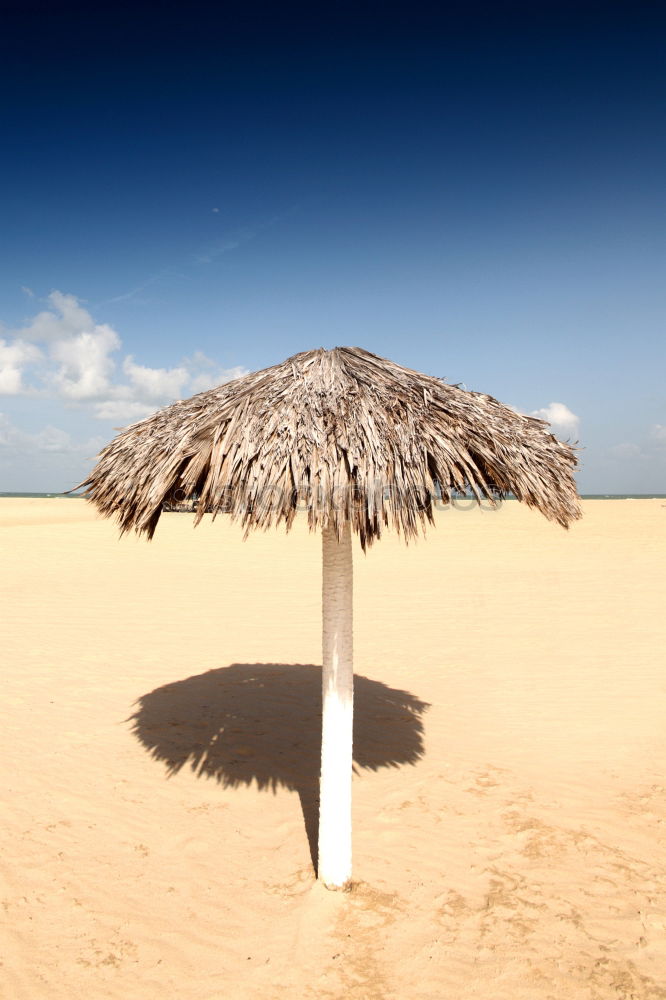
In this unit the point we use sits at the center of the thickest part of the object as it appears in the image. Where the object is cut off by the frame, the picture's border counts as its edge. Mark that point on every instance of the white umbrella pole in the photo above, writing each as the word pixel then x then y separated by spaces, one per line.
pixel 337 710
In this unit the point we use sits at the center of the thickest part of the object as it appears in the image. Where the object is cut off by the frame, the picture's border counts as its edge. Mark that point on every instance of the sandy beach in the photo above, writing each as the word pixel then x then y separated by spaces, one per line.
pixel 161 753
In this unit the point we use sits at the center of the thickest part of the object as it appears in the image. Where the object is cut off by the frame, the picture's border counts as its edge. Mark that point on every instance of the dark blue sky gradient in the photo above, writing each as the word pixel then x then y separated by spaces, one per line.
pixel 476 192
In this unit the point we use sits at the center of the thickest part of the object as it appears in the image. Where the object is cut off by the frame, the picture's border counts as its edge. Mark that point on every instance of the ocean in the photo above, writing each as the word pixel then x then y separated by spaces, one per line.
pixel 42 496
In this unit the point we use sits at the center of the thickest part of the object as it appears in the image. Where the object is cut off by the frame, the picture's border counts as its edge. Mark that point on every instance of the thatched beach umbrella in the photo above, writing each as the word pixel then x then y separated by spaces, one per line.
pixel 365 445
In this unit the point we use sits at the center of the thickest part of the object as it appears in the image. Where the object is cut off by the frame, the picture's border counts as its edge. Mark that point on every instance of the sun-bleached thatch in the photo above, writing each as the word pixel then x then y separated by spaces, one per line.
pixel 343 433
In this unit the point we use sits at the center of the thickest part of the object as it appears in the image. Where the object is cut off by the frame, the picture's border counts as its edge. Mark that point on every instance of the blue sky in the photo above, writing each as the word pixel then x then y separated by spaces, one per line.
pixel 478 193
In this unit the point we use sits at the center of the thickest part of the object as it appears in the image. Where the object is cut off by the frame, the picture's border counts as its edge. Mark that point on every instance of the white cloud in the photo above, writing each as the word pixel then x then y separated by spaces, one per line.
pixel 67 318
pixel 217 376
pixel 650 450
pixel 53 439
pixel 560 416
pixel 14 357
pixel 85 365
pixel 123 410
pixel 77 364
pixel 8 433
pixel 49 439
pixel 155 383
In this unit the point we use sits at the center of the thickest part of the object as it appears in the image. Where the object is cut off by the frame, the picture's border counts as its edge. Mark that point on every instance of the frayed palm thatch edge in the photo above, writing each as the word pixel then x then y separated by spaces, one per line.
pixel 359 437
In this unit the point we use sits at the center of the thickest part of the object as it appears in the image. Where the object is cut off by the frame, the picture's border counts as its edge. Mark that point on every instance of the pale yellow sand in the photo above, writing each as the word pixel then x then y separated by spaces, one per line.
pixel 520 855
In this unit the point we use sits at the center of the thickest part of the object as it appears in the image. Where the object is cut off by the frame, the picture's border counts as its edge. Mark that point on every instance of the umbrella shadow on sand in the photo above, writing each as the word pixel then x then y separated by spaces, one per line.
pixel 261 722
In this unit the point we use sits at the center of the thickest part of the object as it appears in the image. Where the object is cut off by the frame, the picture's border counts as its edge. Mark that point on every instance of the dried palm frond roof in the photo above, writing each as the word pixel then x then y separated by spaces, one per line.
pixel 345 433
